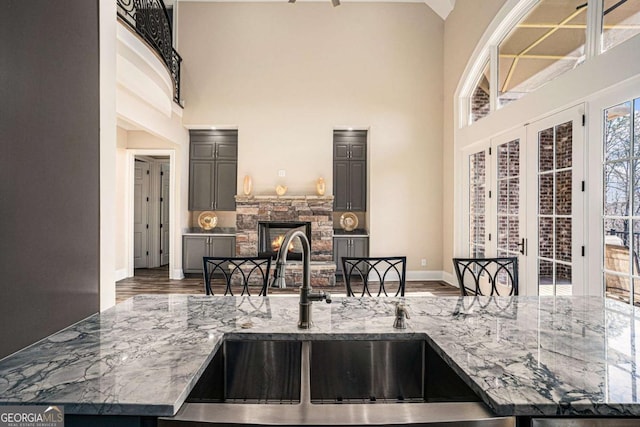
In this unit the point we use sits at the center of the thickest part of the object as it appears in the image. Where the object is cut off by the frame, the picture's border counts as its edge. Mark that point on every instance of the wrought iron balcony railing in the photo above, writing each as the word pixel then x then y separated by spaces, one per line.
pixel 150 20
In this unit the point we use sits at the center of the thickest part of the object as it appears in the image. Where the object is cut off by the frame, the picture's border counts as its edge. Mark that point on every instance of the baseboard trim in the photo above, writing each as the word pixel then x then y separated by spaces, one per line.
pixel 449 278
pixel 421 275
pixel 120 274
pixel 434 275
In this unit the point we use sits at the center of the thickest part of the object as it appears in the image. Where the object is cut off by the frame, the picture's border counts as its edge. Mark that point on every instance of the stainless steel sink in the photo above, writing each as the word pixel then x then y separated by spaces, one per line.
pixel 252 372
pixel 382 372
pixel 403 382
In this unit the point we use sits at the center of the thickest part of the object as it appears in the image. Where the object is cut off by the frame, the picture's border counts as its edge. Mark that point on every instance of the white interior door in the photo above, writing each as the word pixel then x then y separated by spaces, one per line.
pixel 555 204
pixel 164 213
pixel 141 216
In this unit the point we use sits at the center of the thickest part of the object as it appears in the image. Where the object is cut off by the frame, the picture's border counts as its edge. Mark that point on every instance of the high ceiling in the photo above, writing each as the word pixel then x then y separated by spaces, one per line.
pixel 441 7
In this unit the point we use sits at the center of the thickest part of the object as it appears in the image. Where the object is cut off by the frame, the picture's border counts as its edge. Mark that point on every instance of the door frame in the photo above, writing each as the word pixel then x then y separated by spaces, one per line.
pixel 129 203
pixel 625 91
pixel 163 256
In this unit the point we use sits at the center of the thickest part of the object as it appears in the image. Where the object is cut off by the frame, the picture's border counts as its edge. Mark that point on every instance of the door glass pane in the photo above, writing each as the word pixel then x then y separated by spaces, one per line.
pixel 503 196
pixel 563 279
pixel 545 277
pixel 616 188
pixel 621 196
pixel 545 150
pixel 563 149
pixel 477 203
pixel 514 195
pixel 563 192
pixel 621 21
pixel 555 210
pixel 617 287
pixel 617 132
pixel 514 158
pixel 546 234
pixel 514 233
pixel 545 194
pixel 563 239
pixel 508 172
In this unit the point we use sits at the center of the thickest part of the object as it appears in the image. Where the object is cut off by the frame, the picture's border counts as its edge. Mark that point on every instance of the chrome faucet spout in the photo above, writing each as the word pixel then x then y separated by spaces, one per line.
pixel 278 276
pixel 307 295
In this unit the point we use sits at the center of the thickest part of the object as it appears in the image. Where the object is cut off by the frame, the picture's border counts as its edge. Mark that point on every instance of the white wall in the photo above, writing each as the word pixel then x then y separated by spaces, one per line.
pixel 120 205
pixel 463 28
pixel 107 153
pixel 287 75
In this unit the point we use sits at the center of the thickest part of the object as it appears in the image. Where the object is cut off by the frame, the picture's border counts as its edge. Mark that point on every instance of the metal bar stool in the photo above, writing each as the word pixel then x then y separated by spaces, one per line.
pixel 237 271
pixel 380 270
pixel 487 276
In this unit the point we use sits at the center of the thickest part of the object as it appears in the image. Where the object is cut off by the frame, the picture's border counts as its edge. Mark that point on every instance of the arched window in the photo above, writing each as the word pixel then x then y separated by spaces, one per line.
pixel 534 41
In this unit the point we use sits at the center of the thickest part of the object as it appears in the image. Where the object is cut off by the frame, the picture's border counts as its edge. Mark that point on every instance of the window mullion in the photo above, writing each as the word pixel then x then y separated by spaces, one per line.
pixel 493 73
pixel 593 45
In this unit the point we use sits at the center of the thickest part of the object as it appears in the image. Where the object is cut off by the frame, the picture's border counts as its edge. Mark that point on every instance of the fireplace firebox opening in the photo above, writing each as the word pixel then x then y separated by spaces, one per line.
pixel 271 234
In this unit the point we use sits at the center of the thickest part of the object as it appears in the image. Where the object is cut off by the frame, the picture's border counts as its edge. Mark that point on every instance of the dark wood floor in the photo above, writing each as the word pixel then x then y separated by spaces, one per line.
pixel 156 281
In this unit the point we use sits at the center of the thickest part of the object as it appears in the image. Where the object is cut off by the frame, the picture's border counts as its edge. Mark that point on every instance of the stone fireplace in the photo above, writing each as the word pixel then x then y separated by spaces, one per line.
pixel 273 215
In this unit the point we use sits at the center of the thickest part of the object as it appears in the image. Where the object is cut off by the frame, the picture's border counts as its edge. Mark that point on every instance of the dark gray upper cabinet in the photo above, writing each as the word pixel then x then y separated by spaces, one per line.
pixel 213 165
pixel 357 185
pixel 350 170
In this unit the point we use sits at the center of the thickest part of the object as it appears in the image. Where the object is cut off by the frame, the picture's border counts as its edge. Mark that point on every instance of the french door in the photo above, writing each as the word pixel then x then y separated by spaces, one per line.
pixel 556 205
pixel 526 200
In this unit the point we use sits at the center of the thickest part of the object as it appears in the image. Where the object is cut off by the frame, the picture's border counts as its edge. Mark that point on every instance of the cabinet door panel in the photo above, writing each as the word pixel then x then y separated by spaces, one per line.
pixel 360 247
pixel 227 151
pixel 340 185
pixel 201 185
pixel 226 185
pixel 223 246
pixel 358 152
pixel 340 249
pixel 194 249
pixel 340 151
pixel 202 150
pixel 357 185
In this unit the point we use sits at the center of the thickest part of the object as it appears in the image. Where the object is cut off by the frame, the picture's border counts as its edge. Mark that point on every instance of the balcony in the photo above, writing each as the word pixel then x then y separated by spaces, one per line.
pixel 149 19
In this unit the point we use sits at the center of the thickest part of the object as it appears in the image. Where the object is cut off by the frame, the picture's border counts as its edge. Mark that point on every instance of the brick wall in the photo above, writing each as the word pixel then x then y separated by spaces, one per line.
pixel 479 104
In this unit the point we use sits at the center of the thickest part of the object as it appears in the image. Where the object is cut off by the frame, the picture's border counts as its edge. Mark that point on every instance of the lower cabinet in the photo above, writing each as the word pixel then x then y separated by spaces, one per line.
pixel 194 248
pixel 354 247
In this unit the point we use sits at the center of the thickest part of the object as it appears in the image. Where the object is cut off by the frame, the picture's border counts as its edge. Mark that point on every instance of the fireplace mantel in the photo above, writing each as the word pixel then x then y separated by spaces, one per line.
pixel 316 210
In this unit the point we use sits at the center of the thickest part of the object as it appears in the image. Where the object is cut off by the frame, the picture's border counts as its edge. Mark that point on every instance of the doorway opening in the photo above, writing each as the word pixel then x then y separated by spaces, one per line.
pixel 151 225
pixel 151 207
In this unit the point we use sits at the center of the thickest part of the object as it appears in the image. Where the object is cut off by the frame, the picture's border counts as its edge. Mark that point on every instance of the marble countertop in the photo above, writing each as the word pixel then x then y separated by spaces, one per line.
pixel 522 355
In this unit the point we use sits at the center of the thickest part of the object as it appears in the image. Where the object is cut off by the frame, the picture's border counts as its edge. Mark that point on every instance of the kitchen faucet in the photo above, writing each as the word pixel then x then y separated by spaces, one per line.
pixel 307 295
